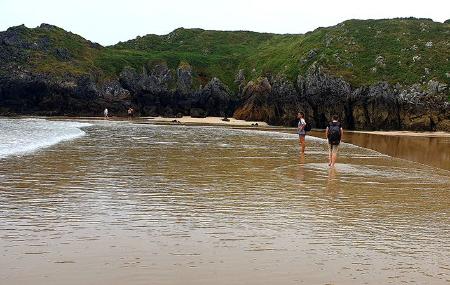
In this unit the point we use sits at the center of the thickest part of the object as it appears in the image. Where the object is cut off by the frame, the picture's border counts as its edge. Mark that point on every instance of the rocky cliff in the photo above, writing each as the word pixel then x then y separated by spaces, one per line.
pixel 401 84
pixel 374 107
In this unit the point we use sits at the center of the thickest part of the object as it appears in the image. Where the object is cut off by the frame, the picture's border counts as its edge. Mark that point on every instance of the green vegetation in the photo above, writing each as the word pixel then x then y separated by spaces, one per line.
pixel 406 51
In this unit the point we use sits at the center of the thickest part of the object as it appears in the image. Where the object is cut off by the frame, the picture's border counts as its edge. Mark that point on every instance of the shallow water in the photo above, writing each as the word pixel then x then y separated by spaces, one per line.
pixel 433 151
pixel 145 204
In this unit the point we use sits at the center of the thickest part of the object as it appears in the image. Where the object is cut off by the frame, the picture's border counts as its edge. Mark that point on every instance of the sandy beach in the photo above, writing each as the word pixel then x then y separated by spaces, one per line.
pixel 207 121
pixel 242 123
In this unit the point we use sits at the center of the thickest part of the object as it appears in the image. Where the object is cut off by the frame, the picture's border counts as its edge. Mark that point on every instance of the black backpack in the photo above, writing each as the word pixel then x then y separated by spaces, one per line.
pixel 334 133
pixel 307 127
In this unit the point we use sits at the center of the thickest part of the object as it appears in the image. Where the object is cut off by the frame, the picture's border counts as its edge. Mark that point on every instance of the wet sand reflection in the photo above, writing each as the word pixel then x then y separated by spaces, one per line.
pixel 140 204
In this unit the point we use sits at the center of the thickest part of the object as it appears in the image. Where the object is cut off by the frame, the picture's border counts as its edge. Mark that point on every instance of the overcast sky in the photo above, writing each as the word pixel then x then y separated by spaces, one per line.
pixel 110 21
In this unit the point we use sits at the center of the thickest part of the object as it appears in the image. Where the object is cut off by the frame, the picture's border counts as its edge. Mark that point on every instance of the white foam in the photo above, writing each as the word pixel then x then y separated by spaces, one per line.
pixel 24 136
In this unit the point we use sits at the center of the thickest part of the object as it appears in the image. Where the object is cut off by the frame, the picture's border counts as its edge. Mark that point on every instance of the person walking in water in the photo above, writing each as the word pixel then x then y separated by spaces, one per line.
pixel 105 113
pixel 301 130
pixel 334 135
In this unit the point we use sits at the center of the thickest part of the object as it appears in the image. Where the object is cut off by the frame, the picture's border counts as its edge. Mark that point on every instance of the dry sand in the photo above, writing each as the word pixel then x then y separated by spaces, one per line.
pixel 407 133
pixel 208 121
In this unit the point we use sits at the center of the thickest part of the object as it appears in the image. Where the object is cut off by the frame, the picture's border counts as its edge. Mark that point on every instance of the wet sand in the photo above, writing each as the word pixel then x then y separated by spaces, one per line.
pixel 172 204
pixel 428 149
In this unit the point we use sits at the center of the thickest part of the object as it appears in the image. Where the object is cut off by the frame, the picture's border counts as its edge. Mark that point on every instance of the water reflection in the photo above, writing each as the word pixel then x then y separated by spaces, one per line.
pixel 333 180
pixel 432 151
pixel 172 204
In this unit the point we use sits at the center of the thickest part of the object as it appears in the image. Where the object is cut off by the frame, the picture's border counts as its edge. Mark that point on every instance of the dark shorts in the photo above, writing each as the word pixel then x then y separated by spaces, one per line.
pixel 333 148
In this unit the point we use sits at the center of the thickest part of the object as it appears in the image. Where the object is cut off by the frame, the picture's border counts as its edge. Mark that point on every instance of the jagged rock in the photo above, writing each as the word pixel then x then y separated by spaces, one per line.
pixel 112 90
pixel 255 97
pixel 14 37
pixel 157 81
pixel 38 94
pixel 215 98
pixel 86 87
pixel 423 110
pixel 45 26
pixel 198 113
pixel 374 107
pixel 275 101
pixel 129 79
pixel 435 87
pixel 327 96
pixel 240 80
pixel 184 78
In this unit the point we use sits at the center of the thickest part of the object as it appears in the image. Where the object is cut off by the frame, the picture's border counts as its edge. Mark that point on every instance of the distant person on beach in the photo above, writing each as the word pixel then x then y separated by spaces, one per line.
pixel 130 113
pixel 334 135
pixel 301 130
pixel 105 113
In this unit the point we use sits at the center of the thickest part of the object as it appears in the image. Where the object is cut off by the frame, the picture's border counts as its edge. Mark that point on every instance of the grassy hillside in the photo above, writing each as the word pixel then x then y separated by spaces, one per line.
pixel 362 51
pixel 49 49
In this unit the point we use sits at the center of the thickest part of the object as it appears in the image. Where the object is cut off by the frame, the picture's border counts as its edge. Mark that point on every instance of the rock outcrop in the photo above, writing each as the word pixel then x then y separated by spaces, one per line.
pixel 215 99
pixel 37 94
pixel 325 94
pixel 275 101
pixel 376 107
pixel 184 78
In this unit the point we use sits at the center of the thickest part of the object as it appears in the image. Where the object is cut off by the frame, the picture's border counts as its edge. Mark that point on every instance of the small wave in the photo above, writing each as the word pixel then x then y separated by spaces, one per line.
pixel 24 136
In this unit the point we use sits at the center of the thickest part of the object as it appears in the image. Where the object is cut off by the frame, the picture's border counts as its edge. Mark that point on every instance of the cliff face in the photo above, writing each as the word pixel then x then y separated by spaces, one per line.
pixel 48 71
pixel 375 107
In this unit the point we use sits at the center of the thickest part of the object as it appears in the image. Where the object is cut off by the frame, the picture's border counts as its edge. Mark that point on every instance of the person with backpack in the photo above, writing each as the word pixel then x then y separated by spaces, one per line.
pixel 302 128
pixel 334 135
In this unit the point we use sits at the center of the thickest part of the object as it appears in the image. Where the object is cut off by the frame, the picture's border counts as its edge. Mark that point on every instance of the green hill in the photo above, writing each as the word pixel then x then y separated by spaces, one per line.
pixel 363 52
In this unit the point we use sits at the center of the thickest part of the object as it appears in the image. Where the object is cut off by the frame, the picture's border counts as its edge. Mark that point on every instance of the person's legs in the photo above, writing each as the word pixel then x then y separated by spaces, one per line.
pixel 334 155
pixel 302 143
pixel 330 149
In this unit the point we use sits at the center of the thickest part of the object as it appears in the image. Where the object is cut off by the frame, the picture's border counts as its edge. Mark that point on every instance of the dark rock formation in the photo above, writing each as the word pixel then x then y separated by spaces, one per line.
pixel 28 93
pixel 275 101
pixel 215 99
pixel 184 78
pixel 239 80
pixel 375 107
pixel 326 95
pixel 255 97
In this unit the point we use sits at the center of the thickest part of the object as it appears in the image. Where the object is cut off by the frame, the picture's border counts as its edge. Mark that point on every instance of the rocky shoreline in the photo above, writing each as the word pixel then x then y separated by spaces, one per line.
pixel 158 90
pixel 272 99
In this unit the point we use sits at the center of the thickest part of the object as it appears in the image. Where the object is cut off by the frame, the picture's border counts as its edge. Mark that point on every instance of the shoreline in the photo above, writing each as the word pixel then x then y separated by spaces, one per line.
pixel 217 121
pixel 437 134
